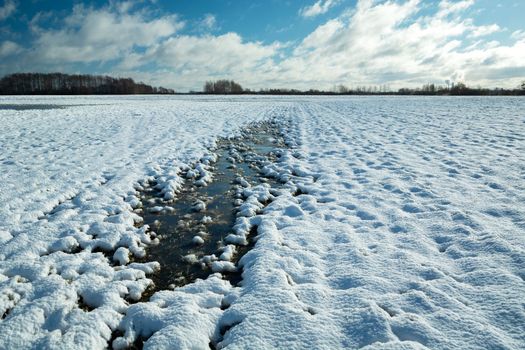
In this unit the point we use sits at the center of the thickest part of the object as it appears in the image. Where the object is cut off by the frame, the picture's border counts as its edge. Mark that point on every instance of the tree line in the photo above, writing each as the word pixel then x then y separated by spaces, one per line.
pixel 73 84
pixel 83 84
pixel 223 87
pixel 460 89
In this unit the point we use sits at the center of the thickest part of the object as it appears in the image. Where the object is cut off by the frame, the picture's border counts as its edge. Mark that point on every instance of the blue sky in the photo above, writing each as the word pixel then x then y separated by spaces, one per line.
pixel 295 44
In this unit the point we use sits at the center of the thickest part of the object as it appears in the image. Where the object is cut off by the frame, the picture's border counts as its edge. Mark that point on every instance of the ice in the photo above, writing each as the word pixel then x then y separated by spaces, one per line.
pixel 220 266
pixel 198 240
pixel 399 224
pixel 191 258
pixel 206 219
pixel 199 206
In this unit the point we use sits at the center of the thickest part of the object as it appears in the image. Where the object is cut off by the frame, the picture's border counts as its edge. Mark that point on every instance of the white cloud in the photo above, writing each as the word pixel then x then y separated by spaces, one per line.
pixel 209 22
pixel 8 9
pixel 518 35
pixel 191 59
pixel 9 48
pixel 90 35
pixel 197 58
pixel 447 7
pixel 484 30
pixel 318 8
pixel 376 42
pixel 389 42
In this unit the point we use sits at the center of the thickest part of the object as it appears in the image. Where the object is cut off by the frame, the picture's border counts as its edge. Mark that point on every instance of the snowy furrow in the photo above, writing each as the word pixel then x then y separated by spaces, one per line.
pixel 407 232
pixel 68 186
pixel 401 224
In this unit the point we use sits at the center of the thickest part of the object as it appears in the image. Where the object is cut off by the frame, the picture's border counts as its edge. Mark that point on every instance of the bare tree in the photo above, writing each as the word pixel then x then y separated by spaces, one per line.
pixel 222 87
pixel 57 83
pixel 342 89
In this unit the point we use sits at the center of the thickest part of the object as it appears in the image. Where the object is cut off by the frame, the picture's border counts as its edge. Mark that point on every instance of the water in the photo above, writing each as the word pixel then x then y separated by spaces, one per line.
pixel 178 228
pixel 24 107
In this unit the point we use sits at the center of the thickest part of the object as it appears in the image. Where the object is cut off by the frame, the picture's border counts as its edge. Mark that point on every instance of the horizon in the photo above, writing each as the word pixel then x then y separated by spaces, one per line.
pixel 291 45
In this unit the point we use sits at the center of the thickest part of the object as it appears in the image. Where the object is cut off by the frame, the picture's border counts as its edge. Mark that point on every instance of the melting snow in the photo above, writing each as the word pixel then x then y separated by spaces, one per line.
pixel 401 224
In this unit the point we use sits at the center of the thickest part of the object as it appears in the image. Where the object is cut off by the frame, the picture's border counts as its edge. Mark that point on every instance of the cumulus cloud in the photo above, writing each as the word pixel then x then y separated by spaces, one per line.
pixel 214 54
pixel 9 48
pixel 318 8
pixel 89 35
pixel 199 57
pixel 390 42
pixel 7 9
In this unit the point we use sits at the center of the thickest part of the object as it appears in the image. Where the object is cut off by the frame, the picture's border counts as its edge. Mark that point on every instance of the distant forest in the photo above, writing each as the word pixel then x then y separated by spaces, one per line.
pixel 71 84
pixel 459 89
pixel 66 84
pixel 223 87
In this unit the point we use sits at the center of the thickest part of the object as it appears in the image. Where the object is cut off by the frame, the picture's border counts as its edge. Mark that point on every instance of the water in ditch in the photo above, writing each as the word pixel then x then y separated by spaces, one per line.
pixel 178 227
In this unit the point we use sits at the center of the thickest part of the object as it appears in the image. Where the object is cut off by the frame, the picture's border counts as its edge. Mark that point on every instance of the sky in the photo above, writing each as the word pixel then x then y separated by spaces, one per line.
pixel 306 44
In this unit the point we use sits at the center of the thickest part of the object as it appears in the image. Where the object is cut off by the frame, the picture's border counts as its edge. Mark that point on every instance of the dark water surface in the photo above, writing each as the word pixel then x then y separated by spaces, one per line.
pixel 24 107
pixel 178 227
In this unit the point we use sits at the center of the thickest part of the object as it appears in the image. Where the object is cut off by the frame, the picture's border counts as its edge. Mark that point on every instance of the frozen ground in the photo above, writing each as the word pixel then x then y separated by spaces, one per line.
pixel 403 225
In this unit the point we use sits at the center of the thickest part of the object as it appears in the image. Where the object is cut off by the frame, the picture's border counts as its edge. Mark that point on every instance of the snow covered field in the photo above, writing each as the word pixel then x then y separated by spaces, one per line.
pixel 403 225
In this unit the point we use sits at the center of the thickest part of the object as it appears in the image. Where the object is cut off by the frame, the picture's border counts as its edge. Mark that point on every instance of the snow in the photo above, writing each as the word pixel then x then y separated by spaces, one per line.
pixel 180 319
pixel 121 255
pixel 198 240
pixel 399 238
pixel 400 224
pixel 228 252
pixel 220 266
pixel 69 180
pixel 199 206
